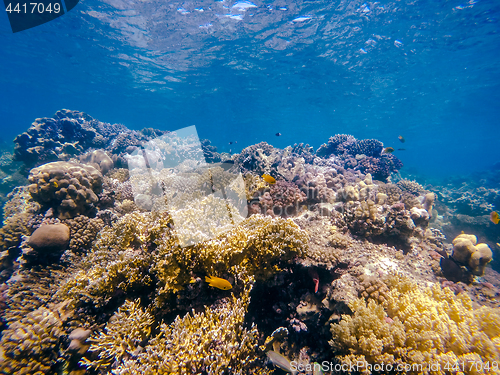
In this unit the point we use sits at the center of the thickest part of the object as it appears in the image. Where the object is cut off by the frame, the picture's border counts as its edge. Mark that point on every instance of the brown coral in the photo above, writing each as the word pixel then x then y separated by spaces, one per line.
pixel 69 188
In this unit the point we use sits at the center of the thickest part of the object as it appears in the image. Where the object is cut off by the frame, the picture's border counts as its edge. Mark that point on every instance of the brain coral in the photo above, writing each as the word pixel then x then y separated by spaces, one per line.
pixel 419 327
pixel 69 188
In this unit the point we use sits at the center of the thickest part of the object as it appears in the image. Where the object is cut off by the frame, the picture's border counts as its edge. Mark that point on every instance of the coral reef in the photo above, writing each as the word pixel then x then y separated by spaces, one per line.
pixel 105 256
pixel 364 155
pixel 411 187
pixel 421 327
pixel 47 243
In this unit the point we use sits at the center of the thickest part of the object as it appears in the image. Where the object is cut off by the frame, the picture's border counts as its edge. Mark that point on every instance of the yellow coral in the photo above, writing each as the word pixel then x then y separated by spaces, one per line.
pixel 123 334
pixel 30 345
pixel 475 256
pixel 213 340
pixel 426 327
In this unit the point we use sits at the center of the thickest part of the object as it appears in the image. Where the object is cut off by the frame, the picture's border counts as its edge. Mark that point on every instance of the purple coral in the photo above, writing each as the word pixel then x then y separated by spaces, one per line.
pixel 286 198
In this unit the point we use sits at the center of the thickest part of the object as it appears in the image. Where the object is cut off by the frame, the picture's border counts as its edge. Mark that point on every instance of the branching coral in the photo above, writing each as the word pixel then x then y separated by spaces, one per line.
pixel 412 187
pixel 17 211
pixel 121 339
pixel 419 327
pixel 119 259
pixel 254 247
pixel 30 345
pixel 212 342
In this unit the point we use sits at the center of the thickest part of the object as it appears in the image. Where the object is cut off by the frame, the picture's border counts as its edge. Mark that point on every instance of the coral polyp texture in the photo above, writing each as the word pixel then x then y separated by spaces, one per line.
pixel 420 327
pixel 149 252
pixel 70 188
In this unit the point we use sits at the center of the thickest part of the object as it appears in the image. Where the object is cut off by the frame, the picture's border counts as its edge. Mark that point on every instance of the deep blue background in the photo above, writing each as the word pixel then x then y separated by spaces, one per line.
pixel 167 65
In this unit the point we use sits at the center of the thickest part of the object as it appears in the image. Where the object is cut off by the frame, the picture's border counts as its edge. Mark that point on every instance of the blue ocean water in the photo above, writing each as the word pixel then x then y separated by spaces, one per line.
pixel 243 71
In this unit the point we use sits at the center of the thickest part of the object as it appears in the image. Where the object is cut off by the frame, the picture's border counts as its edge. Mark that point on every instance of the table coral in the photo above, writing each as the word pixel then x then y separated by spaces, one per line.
pixel 419 327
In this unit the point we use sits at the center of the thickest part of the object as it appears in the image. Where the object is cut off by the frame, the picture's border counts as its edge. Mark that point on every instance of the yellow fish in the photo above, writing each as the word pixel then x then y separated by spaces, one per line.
pixel 388 150
pixel 268 178
pixel 494 217
pixel 401 138
pixel 217 282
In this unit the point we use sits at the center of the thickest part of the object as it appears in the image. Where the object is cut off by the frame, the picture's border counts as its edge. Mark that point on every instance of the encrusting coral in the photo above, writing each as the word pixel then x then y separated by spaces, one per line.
pixel 419 327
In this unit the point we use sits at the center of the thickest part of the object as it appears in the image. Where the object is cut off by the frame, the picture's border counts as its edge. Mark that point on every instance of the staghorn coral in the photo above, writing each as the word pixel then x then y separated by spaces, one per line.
pixel 254 248
pixel 418 327
pixel 213 342
pixel 286 198
pixel 69 188
pixel 119 260
pixel 122 336
pixel 142 247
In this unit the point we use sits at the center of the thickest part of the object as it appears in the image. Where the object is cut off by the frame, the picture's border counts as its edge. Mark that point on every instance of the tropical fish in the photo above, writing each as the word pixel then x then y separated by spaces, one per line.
pixel 55 184
pixel 389 150
pixel 278 134
pixel 218 282
pixel 401 138
pixel 315 279
pixel 230 143
pixel 494 217
pixel 401 149
pixel 282 362
pixel 268 178
pixel 317 369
